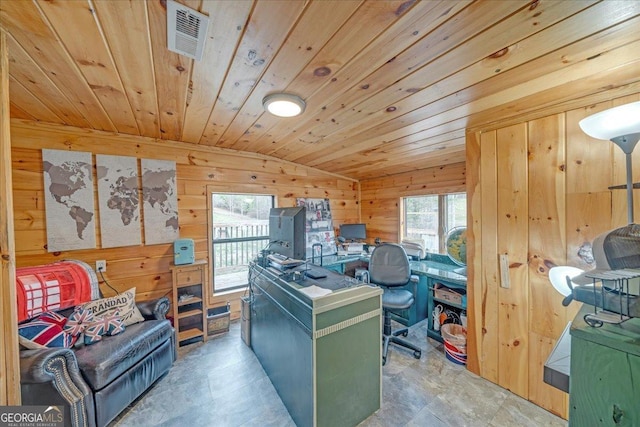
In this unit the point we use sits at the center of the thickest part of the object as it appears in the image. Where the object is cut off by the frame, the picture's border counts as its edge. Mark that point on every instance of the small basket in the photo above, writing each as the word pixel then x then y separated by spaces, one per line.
pixel 218 320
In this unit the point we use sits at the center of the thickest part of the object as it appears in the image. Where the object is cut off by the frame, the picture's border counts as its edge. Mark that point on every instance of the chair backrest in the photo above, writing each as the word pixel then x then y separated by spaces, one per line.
pixel 389 265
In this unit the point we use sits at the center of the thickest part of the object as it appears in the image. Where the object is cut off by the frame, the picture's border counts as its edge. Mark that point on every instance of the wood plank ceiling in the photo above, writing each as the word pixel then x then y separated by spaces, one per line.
pixel 390 86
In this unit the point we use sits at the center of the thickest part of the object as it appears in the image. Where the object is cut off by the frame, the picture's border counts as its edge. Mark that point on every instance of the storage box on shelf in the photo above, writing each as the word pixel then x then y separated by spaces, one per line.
pixel 218 320
pixel 450 294
pixel 189 301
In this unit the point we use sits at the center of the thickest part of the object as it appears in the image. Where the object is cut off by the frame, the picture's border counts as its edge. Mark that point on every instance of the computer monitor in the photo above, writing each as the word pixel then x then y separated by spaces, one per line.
pixel 287 232
pixel 355 232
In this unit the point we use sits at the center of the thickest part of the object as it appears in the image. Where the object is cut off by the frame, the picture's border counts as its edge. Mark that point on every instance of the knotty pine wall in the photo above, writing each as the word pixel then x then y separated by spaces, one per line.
pixel 9 362
pixel 147 267
pixel 537 193
pixel 380 197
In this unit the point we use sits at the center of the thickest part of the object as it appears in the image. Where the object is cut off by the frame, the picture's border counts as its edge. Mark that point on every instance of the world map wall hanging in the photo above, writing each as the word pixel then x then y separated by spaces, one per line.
pixel 69 200
pixel 118 200
pixel 160 201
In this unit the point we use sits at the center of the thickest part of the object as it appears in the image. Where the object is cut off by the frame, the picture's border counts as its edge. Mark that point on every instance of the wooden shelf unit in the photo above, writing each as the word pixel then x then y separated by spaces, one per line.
pixel 190 315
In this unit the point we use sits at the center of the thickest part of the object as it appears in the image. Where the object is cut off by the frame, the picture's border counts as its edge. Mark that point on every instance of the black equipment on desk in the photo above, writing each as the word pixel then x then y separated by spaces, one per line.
pixel 315 273
pixel 282 262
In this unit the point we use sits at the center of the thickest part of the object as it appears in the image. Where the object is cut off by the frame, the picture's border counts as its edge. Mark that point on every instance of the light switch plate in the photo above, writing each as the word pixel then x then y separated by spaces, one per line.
pixel 504 271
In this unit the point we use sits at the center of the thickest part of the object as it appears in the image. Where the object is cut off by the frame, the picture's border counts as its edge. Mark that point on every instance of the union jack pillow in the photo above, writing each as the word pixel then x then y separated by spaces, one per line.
pixel 53 317
pixel 93 333
pixel 112 323
pixel 78 321
pixel 109 324
pixel 45 333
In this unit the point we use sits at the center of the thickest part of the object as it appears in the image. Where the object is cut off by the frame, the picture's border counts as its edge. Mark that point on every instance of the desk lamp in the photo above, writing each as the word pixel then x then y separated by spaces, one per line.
pixel 620 125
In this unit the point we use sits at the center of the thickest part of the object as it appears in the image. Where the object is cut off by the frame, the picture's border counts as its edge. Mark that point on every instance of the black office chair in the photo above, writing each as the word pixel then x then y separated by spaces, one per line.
pixel 389 269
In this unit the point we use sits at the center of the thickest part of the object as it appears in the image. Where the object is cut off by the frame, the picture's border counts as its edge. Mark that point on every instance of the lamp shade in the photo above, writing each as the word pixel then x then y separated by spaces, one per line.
pixel 284 104
pixel 614 122
pixel 558 278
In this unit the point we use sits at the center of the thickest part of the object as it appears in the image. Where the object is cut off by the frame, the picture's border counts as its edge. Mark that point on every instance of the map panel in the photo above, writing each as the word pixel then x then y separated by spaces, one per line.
pixel 69 200
pixel 160 201
pixel 118 199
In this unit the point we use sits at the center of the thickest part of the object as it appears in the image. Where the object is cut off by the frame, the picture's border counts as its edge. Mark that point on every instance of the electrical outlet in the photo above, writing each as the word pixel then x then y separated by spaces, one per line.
pixel 101 265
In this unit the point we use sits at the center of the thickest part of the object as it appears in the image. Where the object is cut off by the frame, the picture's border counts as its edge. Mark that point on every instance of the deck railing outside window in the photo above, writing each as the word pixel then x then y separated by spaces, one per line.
pixel 234 246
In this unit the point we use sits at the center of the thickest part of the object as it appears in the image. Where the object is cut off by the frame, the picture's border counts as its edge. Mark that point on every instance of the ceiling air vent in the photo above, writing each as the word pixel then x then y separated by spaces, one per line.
pixel 186 30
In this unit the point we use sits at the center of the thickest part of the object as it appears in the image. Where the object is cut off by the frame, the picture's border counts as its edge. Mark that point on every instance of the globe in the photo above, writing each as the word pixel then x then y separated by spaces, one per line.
pixel 456 243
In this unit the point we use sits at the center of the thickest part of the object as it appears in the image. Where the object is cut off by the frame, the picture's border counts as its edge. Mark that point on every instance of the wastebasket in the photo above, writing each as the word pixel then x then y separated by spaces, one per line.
pixel 455 342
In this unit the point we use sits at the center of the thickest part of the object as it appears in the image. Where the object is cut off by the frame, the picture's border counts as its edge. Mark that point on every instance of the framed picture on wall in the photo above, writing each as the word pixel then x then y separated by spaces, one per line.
pixel 321 238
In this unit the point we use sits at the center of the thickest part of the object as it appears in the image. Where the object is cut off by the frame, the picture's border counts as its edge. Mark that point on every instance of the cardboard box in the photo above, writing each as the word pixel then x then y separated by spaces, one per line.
pixel 453 296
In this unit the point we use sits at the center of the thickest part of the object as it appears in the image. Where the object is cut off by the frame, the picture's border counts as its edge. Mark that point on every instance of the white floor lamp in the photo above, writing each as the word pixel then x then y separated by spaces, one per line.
pixel 620 125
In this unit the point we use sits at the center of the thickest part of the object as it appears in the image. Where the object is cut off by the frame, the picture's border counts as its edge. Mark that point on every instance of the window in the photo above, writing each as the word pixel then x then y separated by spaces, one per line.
pixel 240 230
pixel 429 218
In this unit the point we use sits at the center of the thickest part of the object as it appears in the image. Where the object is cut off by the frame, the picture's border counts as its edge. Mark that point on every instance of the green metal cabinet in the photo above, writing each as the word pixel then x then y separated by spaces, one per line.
pixel 323 354
pixel 604 387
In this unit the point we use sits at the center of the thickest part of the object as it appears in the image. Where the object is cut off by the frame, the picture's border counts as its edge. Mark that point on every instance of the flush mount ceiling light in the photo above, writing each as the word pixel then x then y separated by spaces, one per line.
pixel 283 104
pixel 620 125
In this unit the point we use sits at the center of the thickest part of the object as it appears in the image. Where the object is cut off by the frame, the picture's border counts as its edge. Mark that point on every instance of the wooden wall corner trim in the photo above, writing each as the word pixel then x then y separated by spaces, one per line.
pixel 9 360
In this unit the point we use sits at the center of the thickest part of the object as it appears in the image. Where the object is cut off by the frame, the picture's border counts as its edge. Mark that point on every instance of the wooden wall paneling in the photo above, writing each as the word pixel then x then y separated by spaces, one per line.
pixel 36 81
pixel 513 309
pixel 589 173
pixel 619 197
pixel 379 136
pixel 313 29
pixel 147 266
pixel 19 113
pixel 474 253
pixel 92 57
pixel 35 36
pixel 380 197
pixel 172 72
pixel 411 159
pixel 547 216
pixel 226 26
pixel 474 45
pixel 361 29
pixel 267 28
pixel 132 58
pixel 27 100
pixel 547 231
pixel 561 90
pixel 9 362
pixel 372 55
pixel 487 282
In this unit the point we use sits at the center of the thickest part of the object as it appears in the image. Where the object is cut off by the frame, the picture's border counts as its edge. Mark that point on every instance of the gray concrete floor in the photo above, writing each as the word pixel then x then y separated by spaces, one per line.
pixel 221 383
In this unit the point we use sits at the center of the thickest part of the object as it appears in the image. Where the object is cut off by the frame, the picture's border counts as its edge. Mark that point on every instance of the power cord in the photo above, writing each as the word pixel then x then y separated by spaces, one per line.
pixel 107 283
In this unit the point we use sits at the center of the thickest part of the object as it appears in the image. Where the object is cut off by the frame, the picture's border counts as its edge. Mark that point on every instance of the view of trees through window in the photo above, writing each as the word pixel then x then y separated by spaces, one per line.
pixel 429 218
pixel 240 230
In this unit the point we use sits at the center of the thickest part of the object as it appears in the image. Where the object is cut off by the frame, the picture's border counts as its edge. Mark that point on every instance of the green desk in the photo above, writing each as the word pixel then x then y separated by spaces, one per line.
pixel 322 355
pixel 428 271
pixel 604 380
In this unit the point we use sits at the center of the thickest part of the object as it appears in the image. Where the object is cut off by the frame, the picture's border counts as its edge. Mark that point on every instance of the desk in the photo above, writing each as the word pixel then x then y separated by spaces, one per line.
pixel 604 373
pixel 322 355
pixel 344 264
pixel 428 272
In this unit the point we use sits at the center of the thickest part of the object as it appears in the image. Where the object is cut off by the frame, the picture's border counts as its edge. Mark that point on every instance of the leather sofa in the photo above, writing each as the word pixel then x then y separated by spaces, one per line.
pixel 94 383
